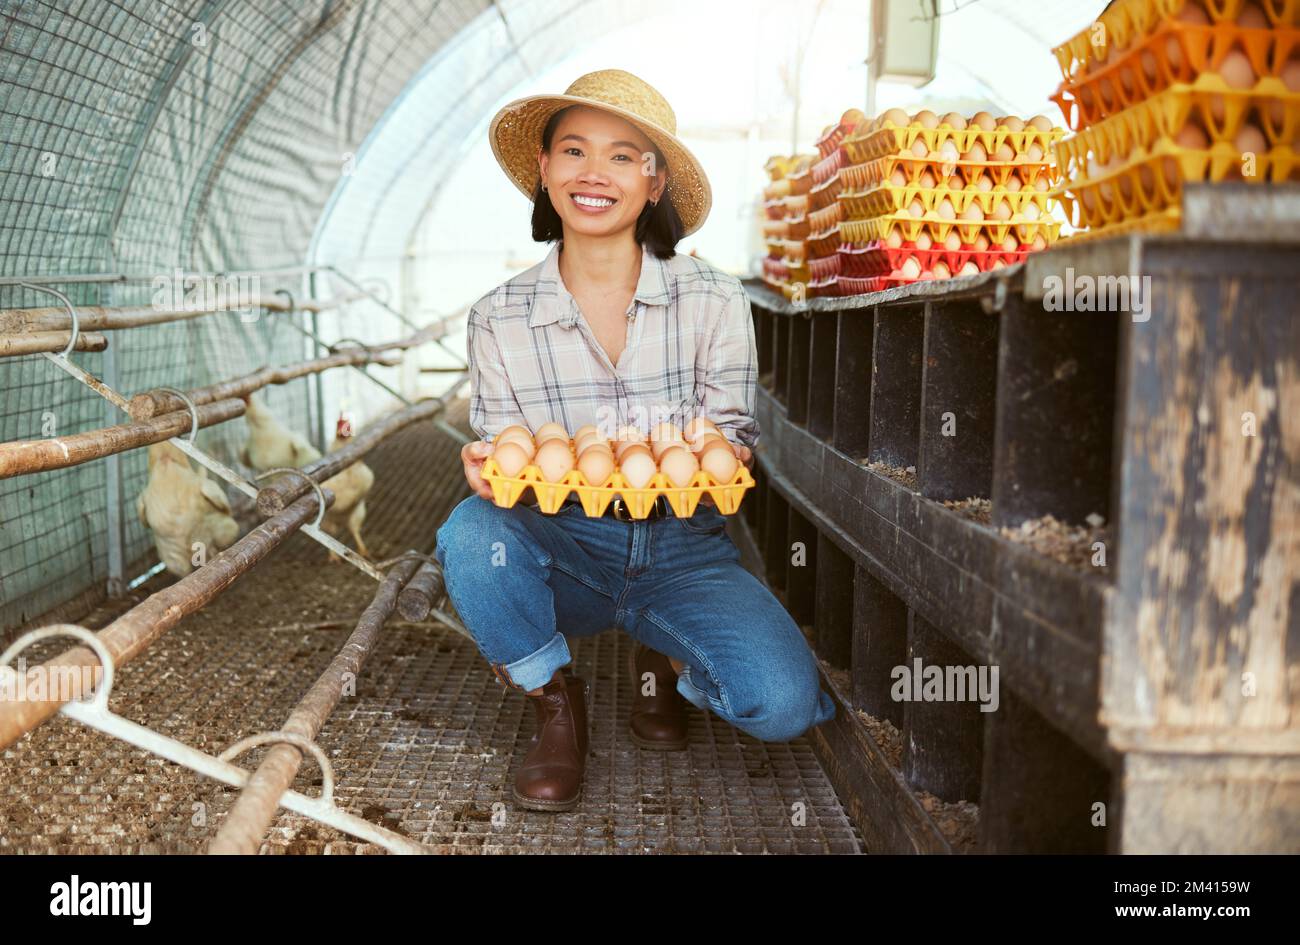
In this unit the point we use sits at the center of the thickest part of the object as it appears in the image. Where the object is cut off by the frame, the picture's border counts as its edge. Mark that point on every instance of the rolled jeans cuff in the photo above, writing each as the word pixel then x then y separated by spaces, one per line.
pixel 536 669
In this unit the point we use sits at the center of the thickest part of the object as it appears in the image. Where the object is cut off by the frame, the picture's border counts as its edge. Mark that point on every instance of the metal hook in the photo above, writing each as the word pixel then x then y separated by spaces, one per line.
pixel 297 741
pixel 72 313
pixel 194 411
pixel 293 306
pixel 320 495
pixel 98 700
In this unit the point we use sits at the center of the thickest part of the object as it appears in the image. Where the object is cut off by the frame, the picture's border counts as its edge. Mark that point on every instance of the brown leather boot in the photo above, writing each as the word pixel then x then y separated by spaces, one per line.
pixel 550 777
pixel 657 722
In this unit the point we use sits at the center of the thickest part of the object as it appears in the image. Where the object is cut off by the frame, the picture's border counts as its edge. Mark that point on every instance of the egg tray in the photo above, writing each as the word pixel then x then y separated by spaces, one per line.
pixel 890 139
pixel 1128 22
pixel 795 252
pixel 1164 115
pixel 774 209
pixel 876 259
pixel 823 269
pixel 880 170
pixel 819 221
pixel 506 491
pixel 824 243
pixel 1154 180
pixel 1160 221
pixel 909 227
pixel 828 167
pixel 823 196
pixel 1148 69
pixel 884 199
pixel 776 269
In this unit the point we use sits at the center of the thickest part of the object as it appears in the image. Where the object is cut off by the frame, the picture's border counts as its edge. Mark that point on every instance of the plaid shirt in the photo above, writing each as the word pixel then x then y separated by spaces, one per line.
pixel 689 351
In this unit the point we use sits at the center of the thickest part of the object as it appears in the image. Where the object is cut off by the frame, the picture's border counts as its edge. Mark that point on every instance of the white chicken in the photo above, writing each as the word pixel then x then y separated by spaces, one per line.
pixel 270 445
pixel 187 512
pixel 350 488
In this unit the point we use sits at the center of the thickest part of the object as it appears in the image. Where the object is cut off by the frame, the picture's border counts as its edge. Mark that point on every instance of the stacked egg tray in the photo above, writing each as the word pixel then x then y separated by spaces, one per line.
pixel 506 491
pixel 1152 110
pixel 880 227
pixel 786 207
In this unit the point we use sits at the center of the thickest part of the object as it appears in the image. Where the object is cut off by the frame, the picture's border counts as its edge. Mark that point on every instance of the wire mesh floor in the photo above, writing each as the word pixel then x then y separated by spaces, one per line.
pixel 427 747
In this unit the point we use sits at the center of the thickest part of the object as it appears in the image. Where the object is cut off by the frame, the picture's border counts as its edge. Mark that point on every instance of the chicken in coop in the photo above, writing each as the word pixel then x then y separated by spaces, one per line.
pixel 271 445
pixel 187 512
pixel 350 488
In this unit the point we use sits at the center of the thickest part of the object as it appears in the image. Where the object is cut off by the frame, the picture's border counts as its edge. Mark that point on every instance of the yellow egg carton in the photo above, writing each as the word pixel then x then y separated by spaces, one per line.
pixel 884 199
pixel 909 227
pixel 1153 180
pixel 1160 221
pixel 1219 110
pixel 890 139
pixel 1126 23
pixel 862 176
pixel 506 491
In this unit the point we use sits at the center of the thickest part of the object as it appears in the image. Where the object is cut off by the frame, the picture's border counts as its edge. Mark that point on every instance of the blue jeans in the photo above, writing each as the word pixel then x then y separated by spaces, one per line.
pixel 522 581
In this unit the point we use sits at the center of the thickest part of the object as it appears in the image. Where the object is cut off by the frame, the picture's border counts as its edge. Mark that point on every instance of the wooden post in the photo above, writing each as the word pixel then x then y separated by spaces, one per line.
pixel 797 368
pixel 833 611
pixel 958 401
pixel 801 567
pixel 852 420
pixel 821 374
pixel 879 644
pixel 12 346
pixel 942 741
pixel 896 384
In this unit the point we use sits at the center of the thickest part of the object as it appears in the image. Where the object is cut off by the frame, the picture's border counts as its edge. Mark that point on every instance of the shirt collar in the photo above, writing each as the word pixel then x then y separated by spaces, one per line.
pixel 552 301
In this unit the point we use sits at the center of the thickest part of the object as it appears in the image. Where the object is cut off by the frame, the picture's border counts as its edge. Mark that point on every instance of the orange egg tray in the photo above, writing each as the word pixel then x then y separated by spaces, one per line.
pixel 909 227
pixel 890 139
pixel 884 199
pixel 1160 221
pixel 1128 23
pixel 880 170
pixel 1152 67
pixel 506 491
pixel 1221 113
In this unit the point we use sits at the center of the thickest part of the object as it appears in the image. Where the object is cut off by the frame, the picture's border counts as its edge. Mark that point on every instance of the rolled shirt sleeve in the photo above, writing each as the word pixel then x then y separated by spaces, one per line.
pixel 492 403
pixel 729 396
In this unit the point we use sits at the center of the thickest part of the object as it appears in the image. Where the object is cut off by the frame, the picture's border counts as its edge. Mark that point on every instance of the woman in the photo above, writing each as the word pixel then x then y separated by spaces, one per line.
pixel 613 328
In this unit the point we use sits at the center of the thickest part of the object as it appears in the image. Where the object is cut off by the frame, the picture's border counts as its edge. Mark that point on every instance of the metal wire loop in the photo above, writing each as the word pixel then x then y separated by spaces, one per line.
pixel 72 313
pixel 98 700
pixel 194 411
pixel 297 741
pixel 293 305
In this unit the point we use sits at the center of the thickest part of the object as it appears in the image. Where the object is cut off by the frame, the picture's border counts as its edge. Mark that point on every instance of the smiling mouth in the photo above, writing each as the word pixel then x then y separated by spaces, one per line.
pixel 592 204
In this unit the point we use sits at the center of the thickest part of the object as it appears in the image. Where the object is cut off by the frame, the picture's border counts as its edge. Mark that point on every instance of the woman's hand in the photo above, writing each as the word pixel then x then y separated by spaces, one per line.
pixel 472 455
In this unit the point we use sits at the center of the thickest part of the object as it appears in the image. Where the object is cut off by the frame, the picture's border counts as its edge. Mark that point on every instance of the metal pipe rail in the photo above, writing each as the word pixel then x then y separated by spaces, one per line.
pixel 128 636
pixel 251 816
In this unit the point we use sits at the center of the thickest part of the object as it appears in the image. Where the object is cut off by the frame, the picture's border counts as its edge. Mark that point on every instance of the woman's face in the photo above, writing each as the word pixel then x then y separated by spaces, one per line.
pixel 600 172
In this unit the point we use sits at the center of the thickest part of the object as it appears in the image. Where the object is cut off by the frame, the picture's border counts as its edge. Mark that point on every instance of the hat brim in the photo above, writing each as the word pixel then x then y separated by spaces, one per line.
pixel 516 135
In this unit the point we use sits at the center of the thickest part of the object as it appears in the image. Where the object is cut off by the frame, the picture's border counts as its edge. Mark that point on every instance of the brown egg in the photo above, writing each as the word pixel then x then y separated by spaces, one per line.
pixel 984 183
pixel 1041 122
pixel 895 116
pixel 945 210
pixel 919 148
pixel 926 118
pixel 923 241
pixel 554 459
pixel 658 447
pixel 898 178
pixel 630 433
pixel 637 466
pixel 981 243
pixel 665 431
pixel 1012 123
pixel 984 121
pixel 587 439
pixel 719 461
pixel 596 465
pixel 704 440
pixel 953 120
pixel 977 153
pixel 973 213
pixel 697 425
pixel 583 430
pixel 941 271
pixel 894 239
pixel 1002 210
pixel 524 441
pixel 911 269
pixel 516 428
pixel 969 269
pixel 1252 17
pixel 679 465
pixel 550 431
pixel 511 458
pixel 952 242
pixel 1237 71
pixel 1005 153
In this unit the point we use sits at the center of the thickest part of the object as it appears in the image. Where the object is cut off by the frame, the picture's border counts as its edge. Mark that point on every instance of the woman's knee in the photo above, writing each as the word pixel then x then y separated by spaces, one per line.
pixel 785 704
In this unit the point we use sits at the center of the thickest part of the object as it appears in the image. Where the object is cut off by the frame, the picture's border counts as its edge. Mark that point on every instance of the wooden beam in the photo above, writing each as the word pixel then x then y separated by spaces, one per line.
pixel 14 345
pixel 23 457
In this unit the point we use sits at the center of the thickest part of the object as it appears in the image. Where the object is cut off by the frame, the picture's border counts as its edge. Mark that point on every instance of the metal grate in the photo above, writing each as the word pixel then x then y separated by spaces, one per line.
pixel 427 747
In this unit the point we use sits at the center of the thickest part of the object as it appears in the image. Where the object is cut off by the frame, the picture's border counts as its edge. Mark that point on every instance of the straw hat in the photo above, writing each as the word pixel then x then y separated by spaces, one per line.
pixel 516 135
